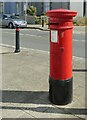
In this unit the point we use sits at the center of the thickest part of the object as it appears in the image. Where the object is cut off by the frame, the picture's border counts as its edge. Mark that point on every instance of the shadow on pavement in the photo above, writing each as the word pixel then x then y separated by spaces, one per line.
pixel 23 96
pixel 4 53
pixel 34 97
pixel 76 111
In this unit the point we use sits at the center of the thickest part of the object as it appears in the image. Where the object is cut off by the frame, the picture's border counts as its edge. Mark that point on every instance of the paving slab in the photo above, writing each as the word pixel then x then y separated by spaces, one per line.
pixel 10 111
pixel 25 86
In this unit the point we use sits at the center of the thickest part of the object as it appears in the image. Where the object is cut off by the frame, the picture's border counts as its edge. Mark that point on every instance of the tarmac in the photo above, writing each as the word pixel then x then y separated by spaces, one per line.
pixel 25 86
pixel 76 29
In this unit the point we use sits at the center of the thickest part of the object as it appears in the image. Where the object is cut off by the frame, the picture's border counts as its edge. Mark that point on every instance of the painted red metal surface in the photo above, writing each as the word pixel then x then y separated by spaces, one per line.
pixel 61 56
pixel 61 13
pixel 61 51
pixel 17 29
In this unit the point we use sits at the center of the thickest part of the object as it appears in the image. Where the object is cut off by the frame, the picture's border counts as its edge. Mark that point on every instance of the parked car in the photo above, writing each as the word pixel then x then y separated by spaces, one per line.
pixel 11 21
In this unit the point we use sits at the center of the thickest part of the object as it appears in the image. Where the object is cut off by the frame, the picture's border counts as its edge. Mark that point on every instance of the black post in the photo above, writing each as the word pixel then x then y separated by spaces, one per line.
pixel 42 21
pixel 17 44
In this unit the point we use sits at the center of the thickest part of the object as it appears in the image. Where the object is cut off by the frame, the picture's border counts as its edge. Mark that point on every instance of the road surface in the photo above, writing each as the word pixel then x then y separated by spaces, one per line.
pixel 37 39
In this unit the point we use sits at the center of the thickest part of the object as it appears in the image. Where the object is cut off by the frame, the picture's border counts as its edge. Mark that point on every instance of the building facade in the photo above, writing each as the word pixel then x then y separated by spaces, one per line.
pixel 19 7
pixel 45 6
pixel 1 7
pixel 12 8
pixel 80 7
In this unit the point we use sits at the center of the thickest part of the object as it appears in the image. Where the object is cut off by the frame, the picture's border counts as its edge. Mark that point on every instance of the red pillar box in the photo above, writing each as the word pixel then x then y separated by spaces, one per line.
pixel 60 80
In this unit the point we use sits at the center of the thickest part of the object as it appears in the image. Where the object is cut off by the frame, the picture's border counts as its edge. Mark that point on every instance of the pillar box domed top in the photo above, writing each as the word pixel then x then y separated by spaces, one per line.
pixel 61 13
pixel 60 18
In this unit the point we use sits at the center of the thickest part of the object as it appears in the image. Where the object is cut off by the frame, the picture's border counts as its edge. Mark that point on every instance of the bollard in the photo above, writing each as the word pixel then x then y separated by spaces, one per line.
pixel 42 22
pixel 42 17
pixel 17 43
pixel 60 78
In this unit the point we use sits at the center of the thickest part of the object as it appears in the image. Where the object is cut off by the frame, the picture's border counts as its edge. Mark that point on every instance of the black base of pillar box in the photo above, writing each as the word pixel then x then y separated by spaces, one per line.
pixel 60 91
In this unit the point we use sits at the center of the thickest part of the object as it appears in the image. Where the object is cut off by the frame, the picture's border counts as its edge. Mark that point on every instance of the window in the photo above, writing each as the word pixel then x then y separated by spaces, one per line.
pixel 1 7
pixel 5 16
pixel 13 17
pixel 18 7
pixel 46 6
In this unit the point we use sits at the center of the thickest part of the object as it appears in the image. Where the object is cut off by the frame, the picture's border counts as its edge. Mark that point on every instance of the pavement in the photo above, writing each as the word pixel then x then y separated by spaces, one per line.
pixel 25 86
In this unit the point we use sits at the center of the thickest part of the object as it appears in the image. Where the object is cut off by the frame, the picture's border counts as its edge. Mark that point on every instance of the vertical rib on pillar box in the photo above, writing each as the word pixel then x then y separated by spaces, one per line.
pixel 61 79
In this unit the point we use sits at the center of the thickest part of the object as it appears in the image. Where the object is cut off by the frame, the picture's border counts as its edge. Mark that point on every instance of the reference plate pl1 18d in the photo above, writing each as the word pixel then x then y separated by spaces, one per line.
pixel 54 36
